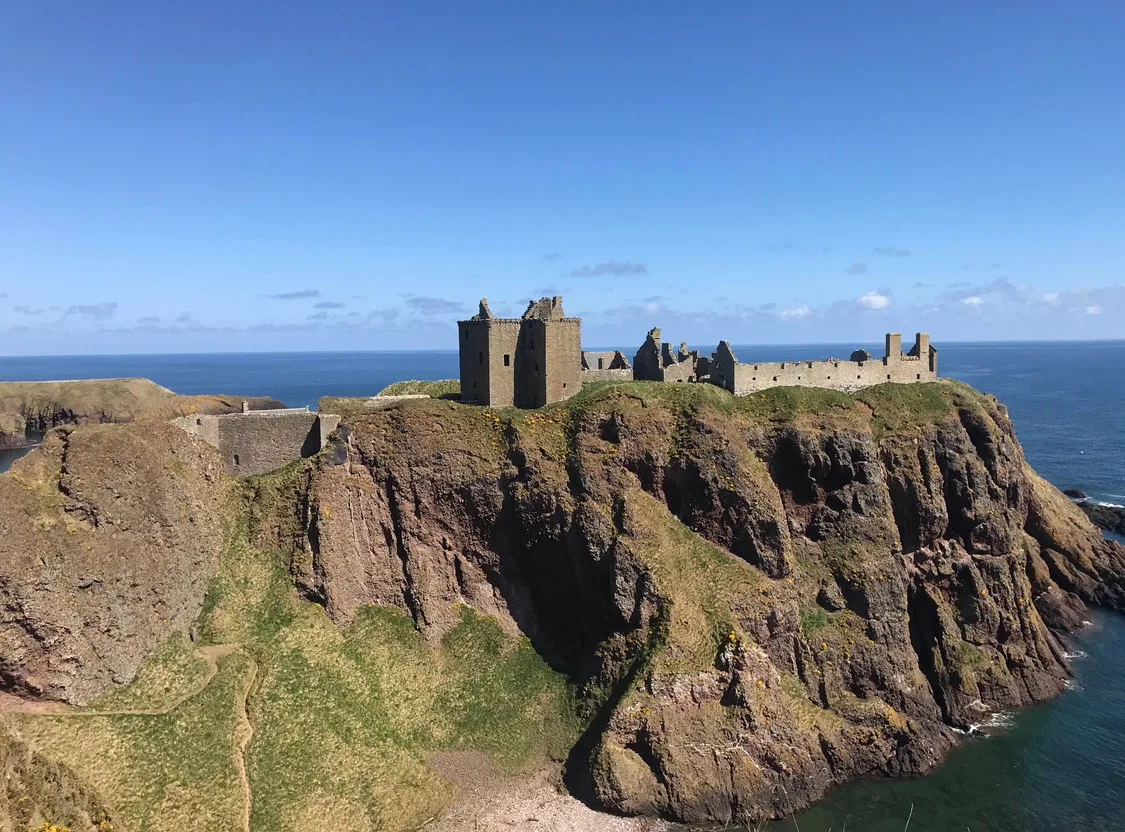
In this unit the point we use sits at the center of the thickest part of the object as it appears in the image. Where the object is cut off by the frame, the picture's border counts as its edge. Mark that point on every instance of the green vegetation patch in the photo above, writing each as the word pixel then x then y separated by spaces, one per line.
pixel 813 620
pixel 176 671
pixel 701 582
pixel 161 772
pixel 345 719
pixel 898 407
pixel 449 388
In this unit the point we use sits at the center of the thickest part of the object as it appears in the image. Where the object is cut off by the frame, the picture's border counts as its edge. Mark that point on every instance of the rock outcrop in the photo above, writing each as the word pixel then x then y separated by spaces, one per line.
pixel 758 598
pixel 31 408
pixel 108 536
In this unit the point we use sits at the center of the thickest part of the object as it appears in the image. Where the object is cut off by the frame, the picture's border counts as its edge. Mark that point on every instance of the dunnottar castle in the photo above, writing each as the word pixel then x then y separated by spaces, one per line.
pixel 538 359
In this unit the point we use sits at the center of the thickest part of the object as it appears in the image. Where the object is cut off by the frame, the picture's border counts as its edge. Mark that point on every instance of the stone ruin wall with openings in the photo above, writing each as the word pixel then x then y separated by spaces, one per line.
pixel 835 374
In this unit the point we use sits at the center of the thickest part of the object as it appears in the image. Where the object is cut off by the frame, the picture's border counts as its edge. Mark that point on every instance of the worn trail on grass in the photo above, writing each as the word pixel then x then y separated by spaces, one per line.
pixel 245 735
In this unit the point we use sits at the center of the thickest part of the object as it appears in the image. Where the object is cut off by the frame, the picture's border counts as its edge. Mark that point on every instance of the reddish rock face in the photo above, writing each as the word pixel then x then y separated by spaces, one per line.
pixel 757 599
pixel 880 586
pixel 108 537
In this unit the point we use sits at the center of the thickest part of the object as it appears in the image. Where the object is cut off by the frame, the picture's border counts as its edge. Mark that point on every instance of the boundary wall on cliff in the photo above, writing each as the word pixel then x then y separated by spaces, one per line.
pixel 917 366
pixel 259 441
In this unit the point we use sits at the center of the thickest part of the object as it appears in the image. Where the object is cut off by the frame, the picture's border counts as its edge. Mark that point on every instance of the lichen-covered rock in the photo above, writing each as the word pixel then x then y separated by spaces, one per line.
pixel 108 536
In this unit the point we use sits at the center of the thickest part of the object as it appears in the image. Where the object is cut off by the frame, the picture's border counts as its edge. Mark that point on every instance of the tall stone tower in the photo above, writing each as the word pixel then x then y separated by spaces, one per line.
pixel 522 362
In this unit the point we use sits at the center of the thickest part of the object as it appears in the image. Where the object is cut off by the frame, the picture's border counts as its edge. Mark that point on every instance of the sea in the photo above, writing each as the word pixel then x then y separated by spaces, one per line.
pixel 1054 767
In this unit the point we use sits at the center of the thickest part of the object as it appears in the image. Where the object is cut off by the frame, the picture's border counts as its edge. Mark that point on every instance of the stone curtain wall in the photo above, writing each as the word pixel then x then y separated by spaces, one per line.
pixel 607 375
pixel 740 379
pixel 258 443
pixel 262 441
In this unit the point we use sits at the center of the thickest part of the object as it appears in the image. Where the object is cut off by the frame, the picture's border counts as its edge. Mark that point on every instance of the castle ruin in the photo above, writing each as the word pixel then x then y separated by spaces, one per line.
pixel 520 362
pixel 259 441
pixel 535 360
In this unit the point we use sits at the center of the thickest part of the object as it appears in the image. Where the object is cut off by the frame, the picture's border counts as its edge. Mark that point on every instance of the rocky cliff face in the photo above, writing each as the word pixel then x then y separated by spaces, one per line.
pixel 757 598
pixel 108 536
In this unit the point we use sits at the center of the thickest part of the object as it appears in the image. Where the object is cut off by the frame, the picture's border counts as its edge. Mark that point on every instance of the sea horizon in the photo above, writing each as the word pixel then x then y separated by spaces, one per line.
pixel 588 348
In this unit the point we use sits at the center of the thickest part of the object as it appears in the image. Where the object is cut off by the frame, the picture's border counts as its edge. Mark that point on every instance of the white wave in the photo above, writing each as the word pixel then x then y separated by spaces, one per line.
pixel 1104 504
pixel 1077 654
pixel 1072 684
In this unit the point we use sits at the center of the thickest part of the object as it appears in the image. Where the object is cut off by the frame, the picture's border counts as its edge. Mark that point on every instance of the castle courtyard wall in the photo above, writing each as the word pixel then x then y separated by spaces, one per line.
pixel 834 375
pixel 625 374
pixel 262 440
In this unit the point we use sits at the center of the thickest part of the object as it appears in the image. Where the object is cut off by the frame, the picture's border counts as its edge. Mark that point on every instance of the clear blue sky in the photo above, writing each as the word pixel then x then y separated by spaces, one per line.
pixel 257 176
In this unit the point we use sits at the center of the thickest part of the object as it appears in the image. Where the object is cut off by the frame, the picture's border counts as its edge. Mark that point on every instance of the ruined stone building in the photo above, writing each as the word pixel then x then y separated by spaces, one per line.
pixel 918 365
pixel 606 366
pixel 522 362
pixel 655 361
pixel 538 359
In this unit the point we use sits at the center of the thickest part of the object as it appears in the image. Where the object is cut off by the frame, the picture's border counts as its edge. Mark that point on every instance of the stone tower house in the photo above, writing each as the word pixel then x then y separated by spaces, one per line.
pixel 520 362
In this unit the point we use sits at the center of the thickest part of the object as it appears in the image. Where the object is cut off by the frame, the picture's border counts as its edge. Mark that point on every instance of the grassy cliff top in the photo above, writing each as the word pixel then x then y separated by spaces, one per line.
pixel 888 406
pixel 114 399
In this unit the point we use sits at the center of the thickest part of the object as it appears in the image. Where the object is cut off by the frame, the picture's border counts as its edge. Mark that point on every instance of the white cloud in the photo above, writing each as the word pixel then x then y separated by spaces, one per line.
pixel 652 307
pixel 1051 297
pixel 973 301
pixel 874 300
pixel 1093 309
pixel 795 314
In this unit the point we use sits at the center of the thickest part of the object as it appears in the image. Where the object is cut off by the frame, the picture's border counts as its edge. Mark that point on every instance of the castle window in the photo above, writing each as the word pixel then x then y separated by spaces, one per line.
pixel 236 459
pixel 601 361
pixel 507 360
pixel 474 385
pixel 755 378
pixel 810 365
pixel 481 355
pixel 888 376
pixel 537 366
pixel 775 378
pixel 564 385
pixel 199 421
pixel 918 376
pixel 466 335
pixel 857 376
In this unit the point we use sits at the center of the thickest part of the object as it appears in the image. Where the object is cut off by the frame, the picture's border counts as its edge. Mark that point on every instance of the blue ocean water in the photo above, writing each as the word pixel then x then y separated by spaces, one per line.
pixel 1057 767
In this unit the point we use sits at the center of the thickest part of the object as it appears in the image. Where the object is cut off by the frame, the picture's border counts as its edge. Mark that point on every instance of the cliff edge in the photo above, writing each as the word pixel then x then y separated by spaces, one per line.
pixel 757 597
pixel 709 608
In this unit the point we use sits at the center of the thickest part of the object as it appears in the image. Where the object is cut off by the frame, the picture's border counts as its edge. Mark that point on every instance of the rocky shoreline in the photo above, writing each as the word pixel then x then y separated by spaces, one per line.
pixel 1104 516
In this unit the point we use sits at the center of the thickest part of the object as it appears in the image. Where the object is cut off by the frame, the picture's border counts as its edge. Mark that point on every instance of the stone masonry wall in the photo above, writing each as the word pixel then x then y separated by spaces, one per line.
pixel 262 441
pixel 504 360
pixel 740 379
pixel 562 359
pixel 473 338
pixel 625 374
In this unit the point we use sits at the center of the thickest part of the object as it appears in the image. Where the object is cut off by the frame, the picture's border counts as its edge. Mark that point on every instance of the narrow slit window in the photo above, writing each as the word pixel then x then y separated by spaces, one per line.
pixel 236 459
pixel 507 360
